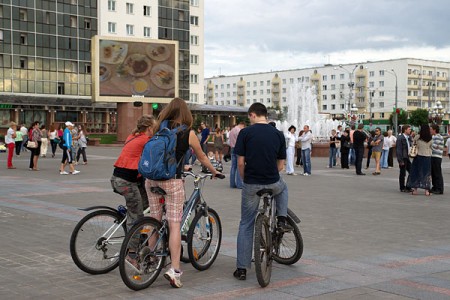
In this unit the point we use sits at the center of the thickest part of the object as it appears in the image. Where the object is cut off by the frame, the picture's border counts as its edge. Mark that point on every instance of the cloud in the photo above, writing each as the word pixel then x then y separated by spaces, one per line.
pixel 255 35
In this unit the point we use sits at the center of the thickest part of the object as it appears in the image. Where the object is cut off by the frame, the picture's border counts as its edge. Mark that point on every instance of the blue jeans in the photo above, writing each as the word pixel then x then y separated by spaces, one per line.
pixel 332 157
pixel 384 159
pixel 306 159
pixel 249 209
pixel 351 156
pixel 235 177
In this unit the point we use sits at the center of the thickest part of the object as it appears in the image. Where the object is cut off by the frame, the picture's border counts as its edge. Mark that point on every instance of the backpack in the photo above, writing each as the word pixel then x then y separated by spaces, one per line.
pixel 158 160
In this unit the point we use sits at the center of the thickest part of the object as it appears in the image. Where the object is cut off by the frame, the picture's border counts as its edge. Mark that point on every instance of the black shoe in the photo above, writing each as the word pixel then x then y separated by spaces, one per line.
pixel 406 190
pixel 240 274
pixel 360 173
pixel 283 226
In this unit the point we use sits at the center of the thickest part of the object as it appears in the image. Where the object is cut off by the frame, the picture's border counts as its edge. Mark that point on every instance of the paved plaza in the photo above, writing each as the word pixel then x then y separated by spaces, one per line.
pixel 363 238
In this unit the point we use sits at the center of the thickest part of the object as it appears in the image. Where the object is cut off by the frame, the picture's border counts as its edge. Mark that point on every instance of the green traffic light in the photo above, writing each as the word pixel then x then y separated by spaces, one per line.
pixel 155 105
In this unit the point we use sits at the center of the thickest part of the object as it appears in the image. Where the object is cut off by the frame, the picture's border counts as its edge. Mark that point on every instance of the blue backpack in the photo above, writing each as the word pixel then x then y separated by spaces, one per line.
pixel 158 160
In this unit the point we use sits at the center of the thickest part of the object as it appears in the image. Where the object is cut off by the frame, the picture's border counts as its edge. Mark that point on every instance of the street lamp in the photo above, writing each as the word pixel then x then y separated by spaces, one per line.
pixel 351 84
pixel 437 113
pixel 396 101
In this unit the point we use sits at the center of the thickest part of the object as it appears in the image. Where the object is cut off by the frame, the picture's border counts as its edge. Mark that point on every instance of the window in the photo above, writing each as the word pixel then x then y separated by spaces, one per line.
pixel 381 104
pixel 333 96
pixel 87 68
pixel 111 27
pixel 194 20
pixel 284 81
pixel 333 106
pixel 228 94
pixel 248 84
pixel 381 94
pixel 47 17
pixel 147 32
pixel 194 59
pixel 371 73
pixel 342 86
pixel 194 2
pixel 248 93
pixel 324 97
pixel 333 77
pixel 324 107
pixel 268 82
pixel 130 29
pixel 341 76
pixel 255 83
pixel 324 77
pixel 371 84
pixel 130 8
pixel 194 78
pixel 381 72
pixel 268 91
pixel 234 85
pixel 254 92
pixel 73 21
pixel 194 40
pixel 23 63
pixel 261 83
pixel 181 16
pixel 23 39
pixel 1 35
pixel 324 87
pixel 23 15
pixel 284 90
pixel 382 115
pixel 193 97
pixel 261 92
pixel 60 88
pixel 291 80
pixel 381 83
pixel 1 11
pixel 87 23
pixel 148 11
pixel 342 106
pixel 222 86
pixel 333 87
pixel 112 5
pixel 228 85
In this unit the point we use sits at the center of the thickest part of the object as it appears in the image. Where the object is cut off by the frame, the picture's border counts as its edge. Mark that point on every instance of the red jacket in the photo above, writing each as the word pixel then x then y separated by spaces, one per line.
pixel 131 152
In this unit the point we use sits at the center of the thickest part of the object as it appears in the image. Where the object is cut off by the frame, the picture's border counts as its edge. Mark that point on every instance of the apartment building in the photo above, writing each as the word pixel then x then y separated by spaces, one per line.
pixel 366 89
pixel 45 54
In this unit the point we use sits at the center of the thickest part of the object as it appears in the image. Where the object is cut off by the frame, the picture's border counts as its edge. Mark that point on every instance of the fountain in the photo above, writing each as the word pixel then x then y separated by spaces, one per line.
pixel 302 109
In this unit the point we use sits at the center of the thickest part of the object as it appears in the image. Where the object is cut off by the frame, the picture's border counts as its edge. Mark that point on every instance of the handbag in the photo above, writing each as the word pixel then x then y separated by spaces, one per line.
pixel 413 151
pixel 31 144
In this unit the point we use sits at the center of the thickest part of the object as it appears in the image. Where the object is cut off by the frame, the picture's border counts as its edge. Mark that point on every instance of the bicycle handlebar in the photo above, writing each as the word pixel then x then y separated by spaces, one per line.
pixel 202 176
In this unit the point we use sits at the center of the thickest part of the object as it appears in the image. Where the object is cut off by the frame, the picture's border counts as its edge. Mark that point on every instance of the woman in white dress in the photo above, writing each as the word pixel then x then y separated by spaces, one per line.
pixel 291 138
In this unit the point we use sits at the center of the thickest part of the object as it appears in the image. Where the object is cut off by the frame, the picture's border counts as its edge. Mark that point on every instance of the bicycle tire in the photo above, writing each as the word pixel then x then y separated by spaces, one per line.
pixel 290 248
pixel 87 237
pixel 262 248
pixel 148 263
pixel 204 240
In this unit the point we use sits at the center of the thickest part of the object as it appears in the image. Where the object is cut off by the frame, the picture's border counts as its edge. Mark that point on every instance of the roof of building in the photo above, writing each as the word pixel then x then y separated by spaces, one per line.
pixel 218 109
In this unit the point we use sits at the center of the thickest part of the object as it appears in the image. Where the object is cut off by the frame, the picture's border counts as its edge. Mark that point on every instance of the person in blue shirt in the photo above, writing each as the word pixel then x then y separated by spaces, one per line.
pixel 261 151
pixel 67 151
pixel 205 137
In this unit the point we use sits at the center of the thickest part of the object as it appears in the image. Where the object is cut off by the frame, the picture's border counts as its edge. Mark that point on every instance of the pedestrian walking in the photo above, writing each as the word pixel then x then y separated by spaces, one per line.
pixel 34 135
pixel 18 140
pixel 11 143
pixel 82 144
pixel 67 151
pixel 437 149
pixel 54 139
pixel 44 141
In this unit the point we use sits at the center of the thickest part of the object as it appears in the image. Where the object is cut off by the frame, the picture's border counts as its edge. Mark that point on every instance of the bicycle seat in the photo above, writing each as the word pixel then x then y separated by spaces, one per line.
pixel 157 190
pixel 264 191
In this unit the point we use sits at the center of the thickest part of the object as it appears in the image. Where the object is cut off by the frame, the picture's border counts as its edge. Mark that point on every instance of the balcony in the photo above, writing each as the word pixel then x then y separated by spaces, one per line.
pixel 275 90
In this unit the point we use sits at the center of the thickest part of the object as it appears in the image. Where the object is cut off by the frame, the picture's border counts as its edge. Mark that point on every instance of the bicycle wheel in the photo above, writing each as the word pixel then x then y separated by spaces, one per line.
pixel 263 250
pixel 143 254
pixel 289 246
pixel 90 248
pixel 204 239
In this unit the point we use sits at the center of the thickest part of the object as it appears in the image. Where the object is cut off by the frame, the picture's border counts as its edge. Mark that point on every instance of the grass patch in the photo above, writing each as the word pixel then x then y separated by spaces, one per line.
pixel 105 138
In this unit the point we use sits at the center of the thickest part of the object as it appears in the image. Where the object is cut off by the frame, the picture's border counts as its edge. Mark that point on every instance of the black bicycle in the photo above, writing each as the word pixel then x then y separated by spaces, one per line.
pixel 145 247
pixel 274 243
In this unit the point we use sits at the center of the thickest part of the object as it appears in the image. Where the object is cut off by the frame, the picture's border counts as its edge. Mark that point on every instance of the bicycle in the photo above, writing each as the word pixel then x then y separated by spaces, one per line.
pixel 271 242
pixel 145 248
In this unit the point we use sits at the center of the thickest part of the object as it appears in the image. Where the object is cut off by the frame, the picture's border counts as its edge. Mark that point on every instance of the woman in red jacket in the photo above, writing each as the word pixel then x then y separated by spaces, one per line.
pixel 126 180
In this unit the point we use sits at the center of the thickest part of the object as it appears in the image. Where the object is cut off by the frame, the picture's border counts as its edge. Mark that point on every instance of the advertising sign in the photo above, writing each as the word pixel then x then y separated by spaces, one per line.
pixel 128 70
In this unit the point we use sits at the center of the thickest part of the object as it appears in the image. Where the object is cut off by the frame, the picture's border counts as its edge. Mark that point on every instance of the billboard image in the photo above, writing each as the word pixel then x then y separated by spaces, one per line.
pixel 126 69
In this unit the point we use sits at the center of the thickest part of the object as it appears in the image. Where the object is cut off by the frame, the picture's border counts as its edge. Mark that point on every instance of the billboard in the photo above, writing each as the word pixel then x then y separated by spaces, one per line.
pixel 128 70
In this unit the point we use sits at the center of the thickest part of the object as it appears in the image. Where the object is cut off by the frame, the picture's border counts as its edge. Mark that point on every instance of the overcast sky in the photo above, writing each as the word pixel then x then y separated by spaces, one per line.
pixel 247 36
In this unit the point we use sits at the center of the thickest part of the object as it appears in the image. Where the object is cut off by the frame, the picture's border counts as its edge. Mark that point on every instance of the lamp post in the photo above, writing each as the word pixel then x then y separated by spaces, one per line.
pixel 350 84
pixel 395 118
pixel 436 114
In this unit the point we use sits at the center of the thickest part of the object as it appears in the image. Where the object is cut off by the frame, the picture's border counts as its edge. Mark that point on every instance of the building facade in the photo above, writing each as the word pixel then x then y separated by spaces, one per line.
pixel 45 54
pixel 368 90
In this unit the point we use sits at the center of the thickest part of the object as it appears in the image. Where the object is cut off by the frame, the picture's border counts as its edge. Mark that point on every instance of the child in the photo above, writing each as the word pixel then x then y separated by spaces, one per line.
pixel 216 165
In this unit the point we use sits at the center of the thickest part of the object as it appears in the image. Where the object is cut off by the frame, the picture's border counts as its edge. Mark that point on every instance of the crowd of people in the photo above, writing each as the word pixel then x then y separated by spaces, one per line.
pixel 349 146
pixel 36 140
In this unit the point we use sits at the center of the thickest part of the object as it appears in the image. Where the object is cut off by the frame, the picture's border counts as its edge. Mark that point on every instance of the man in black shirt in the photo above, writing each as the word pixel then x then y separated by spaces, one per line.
pixel 261 151
pixel 359 137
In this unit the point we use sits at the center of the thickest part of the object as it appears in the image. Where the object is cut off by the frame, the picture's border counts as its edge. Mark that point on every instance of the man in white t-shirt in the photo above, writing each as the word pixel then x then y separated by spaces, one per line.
pixel 392 141
pixel 11 143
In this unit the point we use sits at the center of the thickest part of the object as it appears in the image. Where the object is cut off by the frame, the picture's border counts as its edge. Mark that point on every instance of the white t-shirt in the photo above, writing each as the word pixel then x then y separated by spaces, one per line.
pixel 8 138
pixel 291 138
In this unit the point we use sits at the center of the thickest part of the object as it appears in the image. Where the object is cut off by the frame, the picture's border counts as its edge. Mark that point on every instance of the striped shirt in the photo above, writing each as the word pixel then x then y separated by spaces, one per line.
pixel 437 146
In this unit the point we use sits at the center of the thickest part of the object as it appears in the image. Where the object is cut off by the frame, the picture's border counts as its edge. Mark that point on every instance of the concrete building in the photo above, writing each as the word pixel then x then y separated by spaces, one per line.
pixel 45 54
pixel 367 90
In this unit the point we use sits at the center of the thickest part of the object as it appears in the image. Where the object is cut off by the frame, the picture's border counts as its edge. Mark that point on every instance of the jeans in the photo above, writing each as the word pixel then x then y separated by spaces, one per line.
pixel 249 209
pixel 235 177
pixel 306 159
pixel 351 156
pixel 332 157
pixel 384 159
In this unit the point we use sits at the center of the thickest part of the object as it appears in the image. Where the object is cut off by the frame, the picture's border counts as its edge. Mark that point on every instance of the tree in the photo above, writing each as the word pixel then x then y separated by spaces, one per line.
pixel 402 118
pixel 418 117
